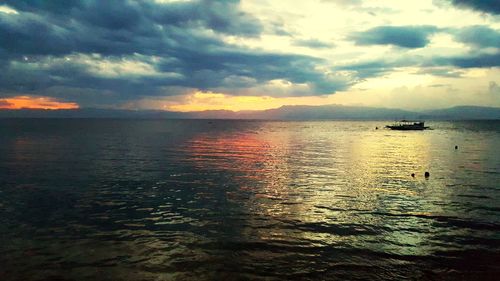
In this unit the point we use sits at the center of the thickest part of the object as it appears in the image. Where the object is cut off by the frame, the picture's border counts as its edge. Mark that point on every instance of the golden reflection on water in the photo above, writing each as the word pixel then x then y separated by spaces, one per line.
pixel 324 179
pixel 388 157
pixel 284 179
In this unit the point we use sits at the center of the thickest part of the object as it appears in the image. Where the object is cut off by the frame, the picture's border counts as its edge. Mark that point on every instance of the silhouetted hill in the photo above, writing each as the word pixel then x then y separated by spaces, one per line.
pixel 299 112
pixel 323 112
pixel 463 113
pixel 90 113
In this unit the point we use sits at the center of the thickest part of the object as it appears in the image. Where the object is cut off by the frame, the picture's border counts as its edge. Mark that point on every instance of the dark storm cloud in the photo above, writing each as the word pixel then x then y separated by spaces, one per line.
pixel 219 15
pixel 222 16
pixel 117 27
pixel 487 6
pixel 183 37
pixel 192 68
pixel 206 68
pixel 473 61
pixel 401 36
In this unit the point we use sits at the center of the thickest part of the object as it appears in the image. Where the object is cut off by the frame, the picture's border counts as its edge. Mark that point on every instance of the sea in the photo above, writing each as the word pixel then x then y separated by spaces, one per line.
pixel 104 199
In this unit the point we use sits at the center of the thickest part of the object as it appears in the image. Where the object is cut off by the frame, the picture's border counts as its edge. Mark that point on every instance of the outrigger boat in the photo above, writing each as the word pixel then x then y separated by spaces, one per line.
pixel 408 125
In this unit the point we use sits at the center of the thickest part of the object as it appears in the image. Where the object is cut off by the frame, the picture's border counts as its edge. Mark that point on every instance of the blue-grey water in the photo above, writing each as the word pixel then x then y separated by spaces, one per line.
pixel 248 200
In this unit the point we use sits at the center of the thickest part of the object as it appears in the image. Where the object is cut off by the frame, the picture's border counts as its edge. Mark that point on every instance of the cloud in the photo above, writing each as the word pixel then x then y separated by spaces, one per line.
pixel 7 10
pixel 487 6
pixel 139 75
pixel 219 15
pixel 401 36
pixel 368 69
pixel 473 61
pixel 119 27
pixel 479 36
pixel 5 104
pixel 313 44
pixel 441 71
pixel 110 53
pixel 494 88
pixel 373 68
pixel 344 2
pixel 31 102
pixel 439 85
pixel 142 48
pixel 485 53
pixel 442 66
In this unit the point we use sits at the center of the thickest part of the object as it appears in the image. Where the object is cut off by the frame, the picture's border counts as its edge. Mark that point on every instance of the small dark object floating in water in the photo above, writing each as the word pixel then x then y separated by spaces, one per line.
pixel 427 174
pixel 456 146
pixel 408 125
pixel 413 175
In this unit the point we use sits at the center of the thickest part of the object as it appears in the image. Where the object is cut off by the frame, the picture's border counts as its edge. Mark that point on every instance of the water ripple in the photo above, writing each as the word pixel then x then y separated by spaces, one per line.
pixel 247 200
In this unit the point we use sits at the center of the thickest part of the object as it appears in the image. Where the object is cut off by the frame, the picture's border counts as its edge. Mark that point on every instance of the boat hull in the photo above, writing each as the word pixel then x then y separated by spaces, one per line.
pixel 407 128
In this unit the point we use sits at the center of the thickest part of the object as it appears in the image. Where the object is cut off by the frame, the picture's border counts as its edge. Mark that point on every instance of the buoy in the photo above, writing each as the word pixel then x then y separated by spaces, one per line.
pixel 413 175
pixel 456 146
pixel 427 174
pixel 376 128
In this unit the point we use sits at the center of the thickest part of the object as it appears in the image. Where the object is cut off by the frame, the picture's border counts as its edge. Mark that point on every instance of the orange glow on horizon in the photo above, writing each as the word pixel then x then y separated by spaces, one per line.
pixel 30 102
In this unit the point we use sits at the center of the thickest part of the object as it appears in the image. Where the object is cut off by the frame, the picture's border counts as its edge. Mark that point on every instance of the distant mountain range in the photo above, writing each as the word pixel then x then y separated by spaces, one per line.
pixel 299 112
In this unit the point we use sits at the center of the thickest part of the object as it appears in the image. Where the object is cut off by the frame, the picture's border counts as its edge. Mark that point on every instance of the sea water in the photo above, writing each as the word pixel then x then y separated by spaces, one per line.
pixel 90 199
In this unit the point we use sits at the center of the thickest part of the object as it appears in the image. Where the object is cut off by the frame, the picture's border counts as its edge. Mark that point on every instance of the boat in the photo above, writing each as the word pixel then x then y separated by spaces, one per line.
pixel 408 125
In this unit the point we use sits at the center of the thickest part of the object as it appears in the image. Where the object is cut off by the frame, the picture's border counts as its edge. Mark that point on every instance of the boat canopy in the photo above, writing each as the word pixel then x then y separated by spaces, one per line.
pixel 410 121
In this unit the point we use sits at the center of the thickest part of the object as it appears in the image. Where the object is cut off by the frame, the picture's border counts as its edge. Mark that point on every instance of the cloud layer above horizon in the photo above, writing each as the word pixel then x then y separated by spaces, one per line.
pixel 166 53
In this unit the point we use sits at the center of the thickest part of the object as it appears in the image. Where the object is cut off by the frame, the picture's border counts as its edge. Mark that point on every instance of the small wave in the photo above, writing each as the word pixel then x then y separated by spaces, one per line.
pixel 448 220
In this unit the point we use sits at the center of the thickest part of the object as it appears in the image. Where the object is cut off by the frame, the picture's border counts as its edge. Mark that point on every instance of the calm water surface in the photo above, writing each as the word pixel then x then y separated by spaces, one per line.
pixel 247 200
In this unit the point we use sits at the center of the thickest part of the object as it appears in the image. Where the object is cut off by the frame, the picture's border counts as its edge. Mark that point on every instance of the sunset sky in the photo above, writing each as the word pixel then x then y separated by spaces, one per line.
pixel 255 54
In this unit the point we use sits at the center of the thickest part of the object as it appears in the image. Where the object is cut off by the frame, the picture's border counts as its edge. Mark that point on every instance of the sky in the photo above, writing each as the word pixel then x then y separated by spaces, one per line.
pixel 190 55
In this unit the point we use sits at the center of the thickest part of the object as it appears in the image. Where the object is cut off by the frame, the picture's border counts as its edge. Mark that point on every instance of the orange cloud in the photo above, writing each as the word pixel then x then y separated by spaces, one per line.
pixel 30 102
